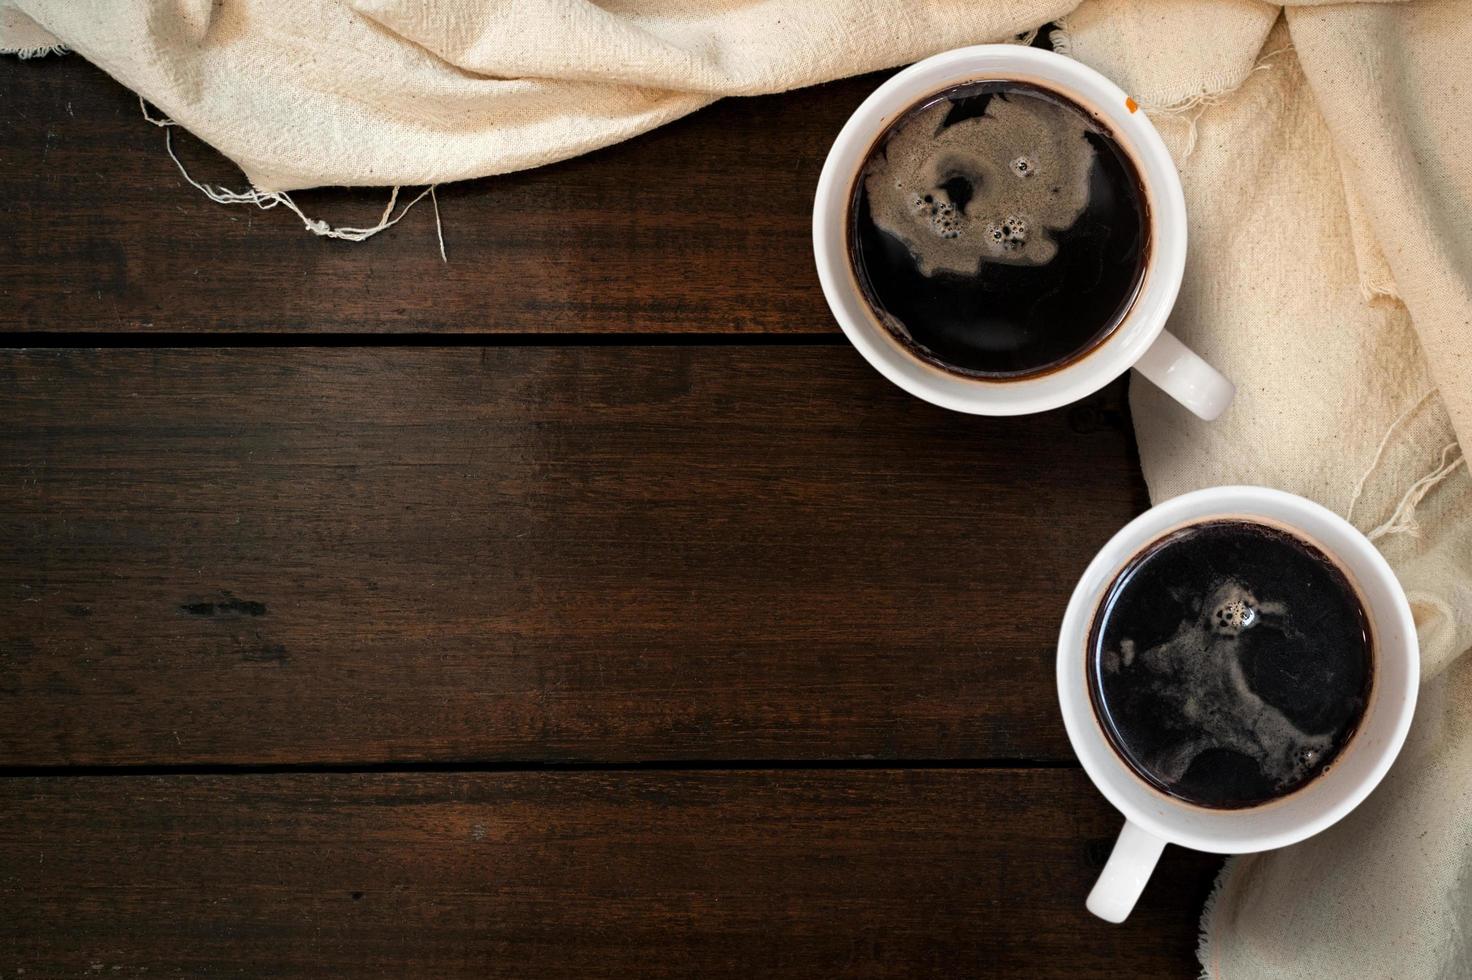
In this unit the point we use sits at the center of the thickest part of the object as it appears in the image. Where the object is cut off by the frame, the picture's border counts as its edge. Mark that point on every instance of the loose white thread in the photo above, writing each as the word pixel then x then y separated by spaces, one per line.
pixel 265 200
pixel 161 121
pixel 1403 521
pixel 1359 487
pixel 439 230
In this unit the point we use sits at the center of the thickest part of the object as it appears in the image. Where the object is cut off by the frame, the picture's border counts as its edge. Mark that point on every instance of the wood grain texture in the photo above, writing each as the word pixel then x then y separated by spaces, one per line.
pixel 527 553
pixel 388 558
pixel 701 226
pixel 726 874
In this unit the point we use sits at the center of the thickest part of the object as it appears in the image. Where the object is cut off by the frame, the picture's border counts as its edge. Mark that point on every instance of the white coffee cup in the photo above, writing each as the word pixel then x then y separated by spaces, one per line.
pixel 1139 341
pixel 1154 818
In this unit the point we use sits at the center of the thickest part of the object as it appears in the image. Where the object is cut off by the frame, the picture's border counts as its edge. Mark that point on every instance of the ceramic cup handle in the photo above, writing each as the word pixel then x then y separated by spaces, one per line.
pixel 1183 375
pixel 1124 877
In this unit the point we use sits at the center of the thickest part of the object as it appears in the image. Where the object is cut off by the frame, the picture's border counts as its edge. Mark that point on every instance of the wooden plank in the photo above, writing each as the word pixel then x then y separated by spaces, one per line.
pixel 589 874
pixel 701 226
pixel 503 553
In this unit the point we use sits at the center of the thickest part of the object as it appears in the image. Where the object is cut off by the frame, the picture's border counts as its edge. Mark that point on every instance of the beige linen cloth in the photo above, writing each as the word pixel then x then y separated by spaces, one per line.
pixel 1326 152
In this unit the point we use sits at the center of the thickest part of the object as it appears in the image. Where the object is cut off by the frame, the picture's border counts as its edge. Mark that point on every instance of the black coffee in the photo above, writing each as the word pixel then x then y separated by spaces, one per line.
pixel 998 230
pixel 1230 663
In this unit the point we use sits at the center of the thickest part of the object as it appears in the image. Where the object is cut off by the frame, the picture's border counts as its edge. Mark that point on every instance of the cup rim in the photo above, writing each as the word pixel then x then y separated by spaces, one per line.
pixel 1136 135
pixel 1172 819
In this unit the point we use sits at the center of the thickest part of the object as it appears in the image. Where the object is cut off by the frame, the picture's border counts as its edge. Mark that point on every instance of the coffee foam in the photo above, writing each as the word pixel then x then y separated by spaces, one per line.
pixel 1197 677
pixel 1020 171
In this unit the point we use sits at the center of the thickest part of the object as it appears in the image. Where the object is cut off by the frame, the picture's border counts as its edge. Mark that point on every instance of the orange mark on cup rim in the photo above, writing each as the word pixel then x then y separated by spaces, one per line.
pixel 1131 104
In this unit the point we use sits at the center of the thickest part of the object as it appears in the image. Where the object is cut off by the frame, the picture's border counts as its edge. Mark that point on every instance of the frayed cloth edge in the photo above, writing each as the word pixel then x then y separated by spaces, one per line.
pixel 1205 944
pixel 1060 39
pixel 37 51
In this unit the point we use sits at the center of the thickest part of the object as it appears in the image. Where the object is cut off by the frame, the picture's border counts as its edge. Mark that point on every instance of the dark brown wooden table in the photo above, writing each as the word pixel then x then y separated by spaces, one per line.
pixel 584 606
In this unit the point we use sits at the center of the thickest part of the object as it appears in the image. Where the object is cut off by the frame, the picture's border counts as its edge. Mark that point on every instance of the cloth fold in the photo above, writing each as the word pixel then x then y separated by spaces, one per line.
pixel 1323 153
pixel 381 92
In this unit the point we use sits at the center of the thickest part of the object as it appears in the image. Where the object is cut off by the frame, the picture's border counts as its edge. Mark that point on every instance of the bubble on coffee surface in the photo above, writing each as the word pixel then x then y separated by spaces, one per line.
pixel 995 187
pixel 1198 674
